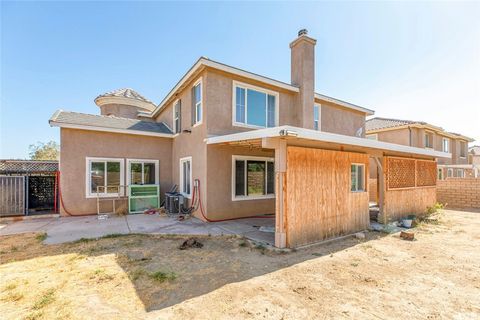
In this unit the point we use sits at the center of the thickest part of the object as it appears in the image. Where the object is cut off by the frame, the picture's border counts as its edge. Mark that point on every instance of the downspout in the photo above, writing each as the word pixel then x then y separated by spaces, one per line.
pixel 410 136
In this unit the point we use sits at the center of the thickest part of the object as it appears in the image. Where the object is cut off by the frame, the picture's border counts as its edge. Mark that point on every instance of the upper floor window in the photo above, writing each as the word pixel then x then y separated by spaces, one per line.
pixel 254 107
pixel 197 103
pixel 463 149
pixel 428 140
pixel 316 117
pixel 177 117
pixel 445 145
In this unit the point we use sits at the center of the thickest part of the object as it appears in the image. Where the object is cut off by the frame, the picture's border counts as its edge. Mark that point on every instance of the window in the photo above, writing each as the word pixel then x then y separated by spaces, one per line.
pixel 253 178
pixel 186 176
pixel 358 177
pixel 177 116
pixel 428 140
pixel 372 136
pixel 104 177
pixel 445 145
pixel 449 173
pixel 316 117
pixel 254 107
pixel 460 173
pixel 197 103
pixel 142 171
pixel 440 174
pixel 463 149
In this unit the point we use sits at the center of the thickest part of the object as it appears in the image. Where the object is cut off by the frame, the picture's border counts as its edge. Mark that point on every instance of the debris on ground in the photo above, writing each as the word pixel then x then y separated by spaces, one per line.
pixel 407 235
pixel 191 243
pixel 360 235
pixel 102 217
pixel 151 211
pixel 266 229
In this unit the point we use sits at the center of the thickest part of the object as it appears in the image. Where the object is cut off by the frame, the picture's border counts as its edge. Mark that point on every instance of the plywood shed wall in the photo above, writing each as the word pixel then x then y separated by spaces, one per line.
pixel 318 201
pixel 410 186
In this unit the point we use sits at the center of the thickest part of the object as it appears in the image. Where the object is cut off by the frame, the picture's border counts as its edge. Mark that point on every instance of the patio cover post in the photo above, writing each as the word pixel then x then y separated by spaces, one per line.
pixel 280 147
pixel 381 188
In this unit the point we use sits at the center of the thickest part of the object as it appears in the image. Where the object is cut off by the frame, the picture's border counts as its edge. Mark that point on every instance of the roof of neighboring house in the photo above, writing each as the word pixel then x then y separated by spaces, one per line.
pixel 475 150
pixel 76 120
pixel 381 124
pixel 28 166
pixel 205 62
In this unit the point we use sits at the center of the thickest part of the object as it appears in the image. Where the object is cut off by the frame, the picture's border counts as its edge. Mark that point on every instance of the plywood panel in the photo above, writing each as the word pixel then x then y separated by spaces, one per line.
pixel 319 202
pixel 400 203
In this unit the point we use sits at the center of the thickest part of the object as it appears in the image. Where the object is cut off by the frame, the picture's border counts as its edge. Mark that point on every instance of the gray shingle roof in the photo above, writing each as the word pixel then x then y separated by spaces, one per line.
pixel 125 93
pixel 110 122
pixel 382 123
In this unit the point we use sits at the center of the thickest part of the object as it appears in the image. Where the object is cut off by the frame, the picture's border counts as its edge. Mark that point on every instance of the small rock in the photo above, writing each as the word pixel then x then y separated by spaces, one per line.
pixel 405 235
pixel 360 235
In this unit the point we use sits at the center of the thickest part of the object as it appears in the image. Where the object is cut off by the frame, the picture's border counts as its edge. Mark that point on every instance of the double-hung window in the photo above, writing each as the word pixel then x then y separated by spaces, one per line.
pixel 104 177
pixel 186 176
pixel 177 116
pixel 445 145
pixel 142 171
pixel 254 107
pixel 463 149
pixel 197 103
pixel 316 117
pixel 253 178
pixel 358 177
pixel 428 140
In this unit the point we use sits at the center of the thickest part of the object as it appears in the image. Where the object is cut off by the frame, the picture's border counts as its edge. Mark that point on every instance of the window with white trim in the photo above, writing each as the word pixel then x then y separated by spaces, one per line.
pixel 197 103
pixel 463 149
pixel 440 174
pixel 460 173
pixel 177 116
pixel 252 178
pixel 104 177
pixel 449 173
pixel 357 177
pixel 428 140
pixel 254 107
pixel 316 117
pixel 142 171
pixel 186 176
pixel 372 136
pixel 445 145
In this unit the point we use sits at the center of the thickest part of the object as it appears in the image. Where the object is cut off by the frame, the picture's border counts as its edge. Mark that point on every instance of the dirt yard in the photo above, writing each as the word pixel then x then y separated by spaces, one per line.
pixel 137 277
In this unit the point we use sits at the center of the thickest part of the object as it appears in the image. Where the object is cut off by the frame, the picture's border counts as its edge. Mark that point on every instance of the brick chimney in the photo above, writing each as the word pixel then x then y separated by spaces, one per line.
pixel 303 76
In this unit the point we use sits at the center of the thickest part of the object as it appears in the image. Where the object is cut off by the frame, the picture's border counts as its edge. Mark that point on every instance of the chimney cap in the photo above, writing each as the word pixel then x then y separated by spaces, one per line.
pixel 302 32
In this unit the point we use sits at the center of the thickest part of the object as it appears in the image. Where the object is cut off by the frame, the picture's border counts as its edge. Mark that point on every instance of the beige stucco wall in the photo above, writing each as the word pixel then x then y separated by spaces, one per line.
pixel 341 120
pixel 400 136
pixel 219 184
pixel 120 110
pixel 76 145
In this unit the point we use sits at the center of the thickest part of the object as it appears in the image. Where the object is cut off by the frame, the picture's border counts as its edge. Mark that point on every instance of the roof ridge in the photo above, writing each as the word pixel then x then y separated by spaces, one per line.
pixel 393 119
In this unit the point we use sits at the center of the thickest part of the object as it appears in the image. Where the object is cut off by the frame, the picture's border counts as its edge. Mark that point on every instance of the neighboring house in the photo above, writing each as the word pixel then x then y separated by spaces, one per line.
pixel 474 160
pixel 245 145
pixel 423 135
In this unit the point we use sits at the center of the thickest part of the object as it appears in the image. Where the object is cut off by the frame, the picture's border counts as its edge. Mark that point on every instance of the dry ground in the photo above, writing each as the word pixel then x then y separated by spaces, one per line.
pixel 138 277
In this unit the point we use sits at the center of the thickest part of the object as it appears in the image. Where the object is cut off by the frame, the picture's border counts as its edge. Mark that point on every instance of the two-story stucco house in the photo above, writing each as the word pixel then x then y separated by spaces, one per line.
pixel 245 145
pixel 423 135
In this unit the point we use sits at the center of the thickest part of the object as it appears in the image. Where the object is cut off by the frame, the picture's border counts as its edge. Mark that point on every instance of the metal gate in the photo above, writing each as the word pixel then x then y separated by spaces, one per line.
pixel 41 192
pixel 12 196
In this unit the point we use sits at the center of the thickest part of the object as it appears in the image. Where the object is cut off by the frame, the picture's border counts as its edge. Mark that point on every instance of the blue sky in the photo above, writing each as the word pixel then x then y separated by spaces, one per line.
pixel 406 60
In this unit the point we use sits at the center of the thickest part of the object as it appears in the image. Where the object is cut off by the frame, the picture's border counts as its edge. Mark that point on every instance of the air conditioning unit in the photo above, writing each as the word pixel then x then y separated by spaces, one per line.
pixel 174 202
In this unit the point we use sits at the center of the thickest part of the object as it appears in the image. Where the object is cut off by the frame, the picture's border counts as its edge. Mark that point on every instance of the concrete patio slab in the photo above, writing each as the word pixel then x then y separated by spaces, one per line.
pixel 66 229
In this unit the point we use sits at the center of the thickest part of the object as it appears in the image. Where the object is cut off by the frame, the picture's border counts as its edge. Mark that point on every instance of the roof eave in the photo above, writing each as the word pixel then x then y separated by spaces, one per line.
pixel 345 104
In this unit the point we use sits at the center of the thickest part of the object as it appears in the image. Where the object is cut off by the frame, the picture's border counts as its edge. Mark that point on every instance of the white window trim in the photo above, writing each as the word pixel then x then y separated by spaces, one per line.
pixel 197 123
pixel 174 123
pixel 88 161
pixel 129 164
pixel 319 116
pixel 364 178
pixel 182 160
pixel 254 158
pixel 433 139
pixel 449 173
pixel 246 86
pixel 448 144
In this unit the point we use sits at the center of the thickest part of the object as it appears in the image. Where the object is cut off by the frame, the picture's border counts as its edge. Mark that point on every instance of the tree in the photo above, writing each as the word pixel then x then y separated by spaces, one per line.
pixel 44 151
